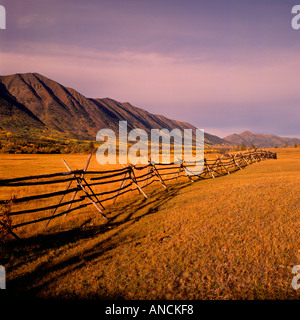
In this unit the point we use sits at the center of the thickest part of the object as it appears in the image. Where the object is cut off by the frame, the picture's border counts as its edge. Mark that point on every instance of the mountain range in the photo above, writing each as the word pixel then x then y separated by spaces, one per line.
pixel 31 101
pixel 32 104
pixel 260 140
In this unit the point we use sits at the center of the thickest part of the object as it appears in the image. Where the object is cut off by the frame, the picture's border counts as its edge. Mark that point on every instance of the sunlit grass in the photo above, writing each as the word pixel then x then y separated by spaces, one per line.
pixel 234 237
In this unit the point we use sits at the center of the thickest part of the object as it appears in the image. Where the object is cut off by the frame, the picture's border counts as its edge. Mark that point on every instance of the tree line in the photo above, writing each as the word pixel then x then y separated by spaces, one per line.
pixel 47 147
pixel 244 147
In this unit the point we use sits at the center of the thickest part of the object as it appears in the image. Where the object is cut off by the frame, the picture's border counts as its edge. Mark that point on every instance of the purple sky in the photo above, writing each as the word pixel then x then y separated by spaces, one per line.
pixel 225 66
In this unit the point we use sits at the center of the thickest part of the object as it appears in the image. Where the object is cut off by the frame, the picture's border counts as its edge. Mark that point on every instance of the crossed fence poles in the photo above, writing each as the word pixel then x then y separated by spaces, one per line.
pixel 81 187
pixel 130 176
pixel 211 168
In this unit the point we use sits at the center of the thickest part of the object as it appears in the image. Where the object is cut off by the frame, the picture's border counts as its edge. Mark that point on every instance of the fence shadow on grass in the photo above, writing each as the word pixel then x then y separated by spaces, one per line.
pixel 30 283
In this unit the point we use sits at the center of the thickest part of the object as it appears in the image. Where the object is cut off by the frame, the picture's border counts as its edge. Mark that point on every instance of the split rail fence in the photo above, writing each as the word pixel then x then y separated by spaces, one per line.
pixel 76 189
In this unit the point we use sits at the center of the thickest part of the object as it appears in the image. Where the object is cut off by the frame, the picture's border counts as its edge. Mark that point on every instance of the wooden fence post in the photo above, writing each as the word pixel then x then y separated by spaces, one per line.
pixel 221 163
pixel 79 179
pixel 158 175
pixel 208 168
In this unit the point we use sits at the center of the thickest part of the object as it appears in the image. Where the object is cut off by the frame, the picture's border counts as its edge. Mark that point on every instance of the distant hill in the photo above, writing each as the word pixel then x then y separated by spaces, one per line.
pixel 33 101
pixel 260 140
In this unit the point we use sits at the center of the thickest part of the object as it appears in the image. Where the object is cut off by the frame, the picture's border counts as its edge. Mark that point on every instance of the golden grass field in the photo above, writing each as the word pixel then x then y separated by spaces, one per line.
pixel 233 237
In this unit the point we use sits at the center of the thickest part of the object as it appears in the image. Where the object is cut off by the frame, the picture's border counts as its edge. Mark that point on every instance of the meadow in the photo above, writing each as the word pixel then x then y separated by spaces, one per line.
pixel 233 237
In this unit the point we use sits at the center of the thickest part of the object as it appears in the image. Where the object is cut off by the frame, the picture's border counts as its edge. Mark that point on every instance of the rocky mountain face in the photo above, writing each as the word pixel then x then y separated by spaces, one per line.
pixel 34 101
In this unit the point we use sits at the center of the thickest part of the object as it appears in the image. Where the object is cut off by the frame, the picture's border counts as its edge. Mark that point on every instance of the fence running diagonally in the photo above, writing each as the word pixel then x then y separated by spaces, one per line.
pixel 99 187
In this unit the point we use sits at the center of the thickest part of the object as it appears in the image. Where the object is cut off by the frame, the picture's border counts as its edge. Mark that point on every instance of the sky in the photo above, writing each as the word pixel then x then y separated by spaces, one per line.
pixel 223 66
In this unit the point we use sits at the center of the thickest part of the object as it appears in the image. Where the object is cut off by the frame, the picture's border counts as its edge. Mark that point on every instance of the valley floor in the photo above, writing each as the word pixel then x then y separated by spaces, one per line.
pixel 233 237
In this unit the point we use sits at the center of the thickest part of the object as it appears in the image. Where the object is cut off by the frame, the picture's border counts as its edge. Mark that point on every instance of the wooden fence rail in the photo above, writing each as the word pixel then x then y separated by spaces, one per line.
pixel 130 179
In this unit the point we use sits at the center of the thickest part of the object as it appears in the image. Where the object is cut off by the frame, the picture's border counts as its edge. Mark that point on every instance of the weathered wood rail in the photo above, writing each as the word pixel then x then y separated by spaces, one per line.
pixel 85 186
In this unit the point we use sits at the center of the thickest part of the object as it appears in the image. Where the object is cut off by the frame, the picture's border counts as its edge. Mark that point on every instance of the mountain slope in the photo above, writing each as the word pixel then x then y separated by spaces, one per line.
pixel 14 115
pixel 260 140
pixel 65 110
pixel 139 118
pixel 59 108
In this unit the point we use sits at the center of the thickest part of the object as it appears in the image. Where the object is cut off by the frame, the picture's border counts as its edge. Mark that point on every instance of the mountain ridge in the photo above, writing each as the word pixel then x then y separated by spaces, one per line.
pixel 260 140
pixel 48 105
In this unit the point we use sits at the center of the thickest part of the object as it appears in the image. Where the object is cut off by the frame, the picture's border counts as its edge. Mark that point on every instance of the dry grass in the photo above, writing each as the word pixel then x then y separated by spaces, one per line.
pixel 235 237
